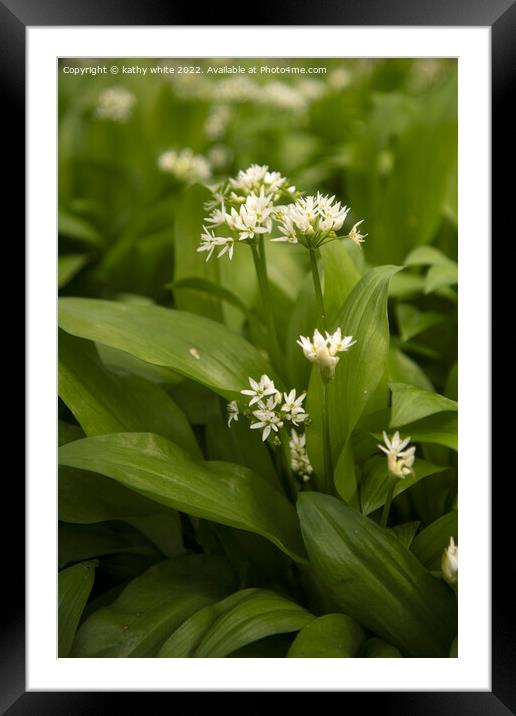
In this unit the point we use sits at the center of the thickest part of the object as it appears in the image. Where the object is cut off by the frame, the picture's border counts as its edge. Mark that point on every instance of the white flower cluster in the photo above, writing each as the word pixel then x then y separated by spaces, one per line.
pixel 116 104
pixel 311 220
pixel 217 121
pixel 299 461
pixel 400 459
pixel 292 97
pixel 243 208
pixel 185 166
pixel 450 564
pixel 272 407
pixel 324 350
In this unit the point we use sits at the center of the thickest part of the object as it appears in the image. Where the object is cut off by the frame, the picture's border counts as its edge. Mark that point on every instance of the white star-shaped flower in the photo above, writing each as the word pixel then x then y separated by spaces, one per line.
pixel 399 459
pixel 260 390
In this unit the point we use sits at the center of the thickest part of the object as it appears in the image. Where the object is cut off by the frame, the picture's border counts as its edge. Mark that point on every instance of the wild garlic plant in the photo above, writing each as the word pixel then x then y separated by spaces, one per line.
pixel 256 204
pixel 270 410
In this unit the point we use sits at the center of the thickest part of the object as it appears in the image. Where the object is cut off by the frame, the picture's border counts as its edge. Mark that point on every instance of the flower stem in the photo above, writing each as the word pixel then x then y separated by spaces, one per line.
pixel 388 501
pixel 328 466
pixel 317 286
pixel 260 266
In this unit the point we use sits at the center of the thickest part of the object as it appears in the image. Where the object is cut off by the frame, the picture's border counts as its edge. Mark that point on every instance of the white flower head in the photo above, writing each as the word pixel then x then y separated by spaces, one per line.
pixel 260 390
pixel 450 564
pixel 311 220
pixel 185 166
pixel 355 235
pixel 292 407
pixel 116 104
pixel 267 417
pixel 299 461
pixel 400 459
pixel 323 350
pixel 209 242
pixel 233 412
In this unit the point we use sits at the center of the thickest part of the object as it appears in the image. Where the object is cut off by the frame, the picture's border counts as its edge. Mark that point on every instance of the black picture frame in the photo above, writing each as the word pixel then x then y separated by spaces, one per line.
pixel 15 17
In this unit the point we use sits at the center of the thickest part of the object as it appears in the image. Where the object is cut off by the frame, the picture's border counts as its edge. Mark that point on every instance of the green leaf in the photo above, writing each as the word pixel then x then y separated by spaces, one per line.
pixel 155 603
pixel 378 649
pixel 410 404
pixel 104 402
pixel 430 543
pixel 403 369
pixel 340 275
pixel 160 470
pixel 426 256
pixel 441 276
pixel 412 321
pixel 188 262
pixel 374 579
pixel 204 285
pixel 80 542
pixel 330 636
pixel 68 266
pixel 192 345
pixel 405 532
pixel 77 228
pixel 359 371
pixel 85 497
pixel 74 587
pixel 440 429
pixel 258 613
pixel 374 485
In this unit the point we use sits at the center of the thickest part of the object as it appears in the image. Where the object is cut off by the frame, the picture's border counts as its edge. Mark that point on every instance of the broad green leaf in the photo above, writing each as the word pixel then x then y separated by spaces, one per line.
pixel 262 613
pixel 426 256
pixel 410 404
pixel 451 389
pixel 122 362
pixel 67 433
pixel 412 321
pixel 454 648
pixel 441 276
pixel 104 402
pixel 406 285
pixel 340 275
pixel 405 532
pixel 303 319
pixel 378 649
pixel 74 587
pixel 204 285
pixel 374 485
pixel 430 543
pixel 152 606
pixel 160 470
pixel 192 345
pixel 439 429
pixel 239 444
pixel 188 262
pixel 68 266
pixel 359 371
pixel 403 369
pixel 79 229
pixel 259 612
pixel 330 636
pixel 376 580
pixel 85 497
pixel 79 542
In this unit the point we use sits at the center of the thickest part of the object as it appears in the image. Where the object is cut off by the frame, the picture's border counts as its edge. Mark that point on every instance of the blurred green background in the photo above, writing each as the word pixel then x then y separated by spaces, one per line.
pixel 380 134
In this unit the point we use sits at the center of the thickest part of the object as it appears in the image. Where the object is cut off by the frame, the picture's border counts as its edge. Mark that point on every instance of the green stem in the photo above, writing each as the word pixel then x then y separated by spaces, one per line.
pixel 328 466
pixel 388 501
pixel 260 266
pixel 317 286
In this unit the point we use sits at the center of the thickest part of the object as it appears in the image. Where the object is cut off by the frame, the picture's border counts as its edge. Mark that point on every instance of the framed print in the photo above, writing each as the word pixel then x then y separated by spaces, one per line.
pixel 258 266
